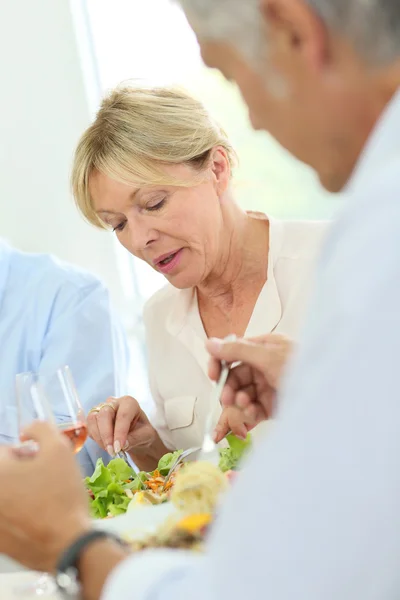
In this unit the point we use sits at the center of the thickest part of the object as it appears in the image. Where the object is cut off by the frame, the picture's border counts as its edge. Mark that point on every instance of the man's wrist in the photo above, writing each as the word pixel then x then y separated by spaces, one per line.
pixel 96 563
pixel 70 533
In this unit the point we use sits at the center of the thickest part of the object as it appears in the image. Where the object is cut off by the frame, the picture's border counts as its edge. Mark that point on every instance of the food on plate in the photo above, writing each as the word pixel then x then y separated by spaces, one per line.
pixel 146 498
pixel 195 494
pixel 115 487
pixel 184 533
pixel 198 487
pixel 111 488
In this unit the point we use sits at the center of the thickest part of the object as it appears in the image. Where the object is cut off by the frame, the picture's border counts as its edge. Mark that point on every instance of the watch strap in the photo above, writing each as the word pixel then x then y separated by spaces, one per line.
pixel 67 576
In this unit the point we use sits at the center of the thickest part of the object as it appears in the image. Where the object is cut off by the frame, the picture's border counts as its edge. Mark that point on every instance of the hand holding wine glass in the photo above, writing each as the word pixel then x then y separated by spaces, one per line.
pixel 52 398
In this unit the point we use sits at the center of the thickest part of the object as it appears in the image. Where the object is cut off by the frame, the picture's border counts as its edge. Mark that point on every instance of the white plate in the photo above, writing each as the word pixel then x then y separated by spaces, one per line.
pixel 136 524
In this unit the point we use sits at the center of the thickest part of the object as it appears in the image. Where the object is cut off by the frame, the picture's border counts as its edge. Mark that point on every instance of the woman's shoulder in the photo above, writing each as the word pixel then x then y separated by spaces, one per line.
pixel 161 298
pixel 160 304
pixel 298 239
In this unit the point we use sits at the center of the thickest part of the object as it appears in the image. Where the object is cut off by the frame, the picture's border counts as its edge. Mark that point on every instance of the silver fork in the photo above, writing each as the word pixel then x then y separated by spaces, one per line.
pixel 209 449
pixel 178 461
pixel 181 458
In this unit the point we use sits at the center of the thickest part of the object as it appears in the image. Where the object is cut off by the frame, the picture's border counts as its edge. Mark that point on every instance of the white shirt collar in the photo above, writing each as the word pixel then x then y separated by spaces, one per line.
pixel 381 147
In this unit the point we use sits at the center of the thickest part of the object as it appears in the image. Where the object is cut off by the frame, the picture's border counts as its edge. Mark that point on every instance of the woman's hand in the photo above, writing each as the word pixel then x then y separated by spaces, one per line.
pixel 120 423
pixel 43 503
pixel 251 386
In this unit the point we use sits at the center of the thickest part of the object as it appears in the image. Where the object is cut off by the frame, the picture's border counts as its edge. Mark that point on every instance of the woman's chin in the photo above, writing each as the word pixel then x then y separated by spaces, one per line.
pixel 182 281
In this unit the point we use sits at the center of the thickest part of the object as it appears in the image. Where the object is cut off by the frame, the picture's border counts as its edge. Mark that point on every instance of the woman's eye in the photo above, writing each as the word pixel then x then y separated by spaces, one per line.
pixel 119 227
pixel 157 206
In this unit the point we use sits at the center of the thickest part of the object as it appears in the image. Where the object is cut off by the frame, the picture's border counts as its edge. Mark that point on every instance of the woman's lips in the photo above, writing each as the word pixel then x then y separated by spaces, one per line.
pixel 167 267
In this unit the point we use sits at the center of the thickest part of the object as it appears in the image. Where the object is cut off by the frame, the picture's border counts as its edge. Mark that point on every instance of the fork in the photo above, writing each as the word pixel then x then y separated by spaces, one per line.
pixel 181 458
pixel 209 449
pixel 178 461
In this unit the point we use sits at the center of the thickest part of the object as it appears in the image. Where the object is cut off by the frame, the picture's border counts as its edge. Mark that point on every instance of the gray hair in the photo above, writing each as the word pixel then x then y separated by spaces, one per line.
pixel 236 22
pixel 372 26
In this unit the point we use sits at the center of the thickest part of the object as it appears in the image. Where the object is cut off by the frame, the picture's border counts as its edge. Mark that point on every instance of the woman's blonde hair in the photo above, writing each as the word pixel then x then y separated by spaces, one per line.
pixel 138 131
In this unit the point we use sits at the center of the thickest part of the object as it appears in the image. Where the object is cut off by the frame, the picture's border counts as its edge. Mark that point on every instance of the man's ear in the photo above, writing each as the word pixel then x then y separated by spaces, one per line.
pixel 294 26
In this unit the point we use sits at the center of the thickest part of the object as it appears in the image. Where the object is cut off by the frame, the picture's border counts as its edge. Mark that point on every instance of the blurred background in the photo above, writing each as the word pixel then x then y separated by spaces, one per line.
pixel 57 59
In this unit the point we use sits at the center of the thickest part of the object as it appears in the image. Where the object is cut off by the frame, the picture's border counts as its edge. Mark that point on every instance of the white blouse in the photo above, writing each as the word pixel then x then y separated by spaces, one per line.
pixel 178 360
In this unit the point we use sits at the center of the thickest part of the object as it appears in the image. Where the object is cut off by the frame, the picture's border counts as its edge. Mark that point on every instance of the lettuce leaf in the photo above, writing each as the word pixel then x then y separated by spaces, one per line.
pixel 166 461
pixel 231 457
pixel 120 469
pixel 108 485
pixel 227 460
pixel 238 446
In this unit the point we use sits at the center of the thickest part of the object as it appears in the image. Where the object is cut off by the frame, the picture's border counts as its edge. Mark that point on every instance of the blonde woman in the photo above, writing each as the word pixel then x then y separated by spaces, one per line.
pixel 156 169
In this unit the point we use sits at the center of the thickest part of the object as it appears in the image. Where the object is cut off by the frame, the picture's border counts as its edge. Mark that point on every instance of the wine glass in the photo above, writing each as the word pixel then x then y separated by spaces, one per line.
pixel 51 398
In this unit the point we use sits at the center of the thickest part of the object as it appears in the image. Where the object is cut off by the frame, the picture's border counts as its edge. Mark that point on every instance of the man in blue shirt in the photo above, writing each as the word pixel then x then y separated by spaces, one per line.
pixel 51 315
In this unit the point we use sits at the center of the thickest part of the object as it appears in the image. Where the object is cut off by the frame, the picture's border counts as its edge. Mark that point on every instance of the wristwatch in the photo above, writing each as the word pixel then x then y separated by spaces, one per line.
pixel 67 574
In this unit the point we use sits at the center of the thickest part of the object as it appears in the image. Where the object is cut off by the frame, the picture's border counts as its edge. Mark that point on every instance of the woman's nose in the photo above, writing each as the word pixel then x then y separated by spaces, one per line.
pixel 143 235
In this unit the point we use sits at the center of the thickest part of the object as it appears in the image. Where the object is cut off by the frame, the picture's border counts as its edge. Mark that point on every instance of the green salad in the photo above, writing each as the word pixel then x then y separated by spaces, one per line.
pixel 111 488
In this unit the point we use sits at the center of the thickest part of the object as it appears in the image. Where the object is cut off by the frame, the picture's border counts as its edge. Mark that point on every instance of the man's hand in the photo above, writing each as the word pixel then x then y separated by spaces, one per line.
pixel 252 385
pixel 43 503
pixel 233 419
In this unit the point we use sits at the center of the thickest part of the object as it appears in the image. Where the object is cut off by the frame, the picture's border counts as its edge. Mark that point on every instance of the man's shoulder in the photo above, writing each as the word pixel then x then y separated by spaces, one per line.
pixel 47 272
pixel 300 239
pixel 370 219
pixel 360 265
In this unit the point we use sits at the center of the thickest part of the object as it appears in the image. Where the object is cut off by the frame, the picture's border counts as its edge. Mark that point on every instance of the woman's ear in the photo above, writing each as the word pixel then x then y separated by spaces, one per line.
pixel 220 168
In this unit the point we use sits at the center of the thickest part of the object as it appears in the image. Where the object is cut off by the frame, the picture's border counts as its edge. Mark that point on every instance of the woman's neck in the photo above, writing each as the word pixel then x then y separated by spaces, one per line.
pixel 241 267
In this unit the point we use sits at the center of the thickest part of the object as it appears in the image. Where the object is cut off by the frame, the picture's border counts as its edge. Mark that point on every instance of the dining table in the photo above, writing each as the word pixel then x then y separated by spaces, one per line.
pixel 14 578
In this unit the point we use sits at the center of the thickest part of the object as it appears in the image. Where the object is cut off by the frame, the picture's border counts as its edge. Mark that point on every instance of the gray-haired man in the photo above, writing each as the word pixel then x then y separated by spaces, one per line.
pixel 315 514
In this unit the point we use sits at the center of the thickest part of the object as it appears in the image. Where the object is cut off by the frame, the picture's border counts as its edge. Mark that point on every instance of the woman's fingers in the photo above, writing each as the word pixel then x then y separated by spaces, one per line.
pixel 93 429
pixel 110 425
pixel 105 424
pixel 128 413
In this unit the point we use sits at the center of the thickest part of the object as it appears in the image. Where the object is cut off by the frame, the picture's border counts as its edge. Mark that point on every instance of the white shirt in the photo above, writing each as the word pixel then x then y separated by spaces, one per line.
pixel 323 522
pixel 178 360
pixel 53 314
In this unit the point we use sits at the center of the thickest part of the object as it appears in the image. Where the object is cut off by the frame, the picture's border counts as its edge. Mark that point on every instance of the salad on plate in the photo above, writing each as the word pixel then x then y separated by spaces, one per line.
pixel 116 488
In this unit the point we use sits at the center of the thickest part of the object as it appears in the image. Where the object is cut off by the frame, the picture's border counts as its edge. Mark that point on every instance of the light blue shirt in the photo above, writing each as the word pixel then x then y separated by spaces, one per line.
pixel 322 521
pixel 53 314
